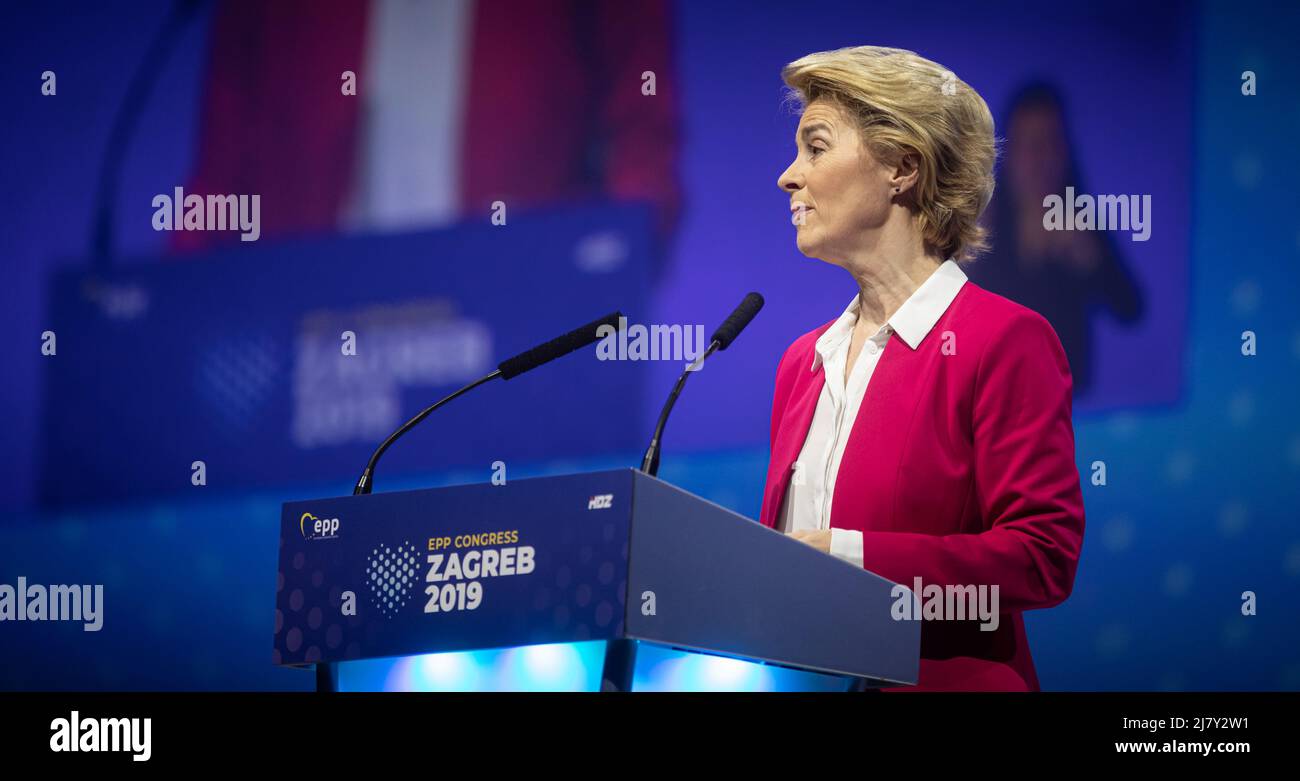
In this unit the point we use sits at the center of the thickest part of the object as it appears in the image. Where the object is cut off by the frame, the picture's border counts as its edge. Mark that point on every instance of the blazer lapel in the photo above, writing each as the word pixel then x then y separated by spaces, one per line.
pixel 866 483
pixel 795 422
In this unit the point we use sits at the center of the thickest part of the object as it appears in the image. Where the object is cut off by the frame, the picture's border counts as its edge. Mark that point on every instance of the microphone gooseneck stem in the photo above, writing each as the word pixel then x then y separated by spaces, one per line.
pixel 365 484
pixel 124 123
pixel 511 367
pixel 650 464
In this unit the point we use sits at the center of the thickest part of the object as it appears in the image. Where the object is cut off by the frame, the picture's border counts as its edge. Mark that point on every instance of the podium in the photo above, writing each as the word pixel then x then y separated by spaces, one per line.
pixel 617 556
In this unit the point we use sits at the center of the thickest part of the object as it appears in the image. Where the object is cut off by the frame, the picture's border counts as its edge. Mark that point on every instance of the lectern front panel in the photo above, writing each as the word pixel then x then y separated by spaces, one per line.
pixel 450 569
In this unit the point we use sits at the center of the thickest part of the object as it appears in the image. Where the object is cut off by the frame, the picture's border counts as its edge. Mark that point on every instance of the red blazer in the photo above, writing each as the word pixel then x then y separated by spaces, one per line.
pixel 960 470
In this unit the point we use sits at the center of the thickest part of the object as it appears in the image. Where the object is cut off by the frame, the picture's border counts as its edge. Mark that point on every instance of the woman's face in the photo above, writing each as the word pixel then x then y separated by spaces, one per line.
pixel 839 192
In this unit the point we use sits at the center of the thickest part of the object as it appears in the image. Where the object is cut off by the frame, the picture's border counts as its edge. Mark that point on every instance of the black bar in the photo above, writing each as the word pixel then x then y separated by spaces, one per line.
pixel 620 663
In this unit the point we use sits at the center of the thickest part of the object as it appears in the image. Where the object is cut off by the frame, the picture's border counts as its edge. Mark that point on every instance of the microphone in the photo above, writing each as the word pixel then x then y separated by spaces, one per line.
pixel 510 367
pixel 732 326
pixel 558 347
pixel 721 339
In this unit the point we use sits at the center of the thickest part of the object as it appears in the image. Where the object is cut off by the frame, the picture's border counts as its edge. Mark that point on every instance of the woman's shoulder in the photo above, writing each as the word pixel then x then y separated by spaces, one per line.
pixel 991 317
pixel 1006 332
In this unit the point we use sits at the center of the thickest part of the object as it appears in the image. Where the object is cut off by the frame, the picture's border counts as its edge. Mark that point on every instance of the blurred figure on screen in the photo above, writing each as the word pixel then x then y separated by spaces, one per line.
pixel 457 104
pixel 1061 274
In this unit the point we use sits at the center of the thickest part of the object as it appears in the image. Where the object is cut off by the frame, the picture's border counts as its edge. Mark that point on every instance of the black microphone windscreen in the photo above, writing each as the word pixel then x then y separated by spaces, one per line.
pixel 733 325
pixel 559 346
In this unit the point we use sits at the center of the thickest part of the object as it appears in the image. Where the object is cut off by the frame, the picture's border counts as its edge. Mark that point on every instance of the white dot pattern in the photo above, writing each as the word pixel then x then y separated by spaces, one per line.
pixel 391 574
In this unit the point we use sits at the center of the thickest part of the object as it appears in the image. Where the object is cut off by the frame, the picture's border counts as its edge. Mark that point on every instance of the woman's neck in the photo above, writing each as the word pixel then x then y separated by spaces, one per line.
pixel 888 276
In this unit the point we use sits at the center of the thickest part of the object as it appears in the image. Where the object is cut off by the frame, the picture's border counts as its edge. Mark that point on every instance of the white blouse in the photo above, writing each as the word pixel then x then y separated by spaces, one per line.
pixel 809 497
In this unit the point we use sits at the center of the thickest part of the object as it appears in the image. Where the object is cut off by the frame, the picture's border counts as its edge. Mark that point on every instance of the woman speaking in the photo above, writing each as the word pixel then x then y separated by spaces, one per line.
pixel 925 432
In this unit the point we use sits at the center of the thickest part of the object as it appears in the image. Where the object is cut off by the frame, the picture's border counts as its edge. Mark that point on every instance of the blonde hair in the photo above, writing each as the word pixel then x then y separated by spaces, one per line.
pixel 905 103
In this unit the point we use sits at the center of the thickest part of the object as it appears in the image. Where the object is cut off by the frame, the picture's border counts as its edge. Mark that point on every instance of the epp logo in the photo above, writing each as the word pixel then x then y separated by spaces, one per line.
pixel 314 528
pixel 600 502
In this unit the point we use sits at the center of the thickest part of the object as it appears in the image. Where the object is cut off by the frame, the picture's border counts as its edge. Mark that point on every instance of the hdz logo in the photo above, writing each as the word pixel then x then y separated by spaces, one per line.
pixel 600 502
pixel 314 528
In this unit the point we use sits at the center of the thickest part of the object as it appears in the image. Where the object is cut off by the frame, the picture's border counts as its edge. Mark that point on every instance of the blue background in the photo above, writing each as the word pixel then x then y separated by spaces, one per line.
pixel 1201 444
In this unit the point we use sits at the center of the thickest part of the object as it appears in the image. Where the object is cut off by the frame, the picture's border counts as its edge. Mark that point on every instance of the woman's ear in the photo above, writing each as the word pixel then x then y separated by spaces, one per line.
pixel 906 173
